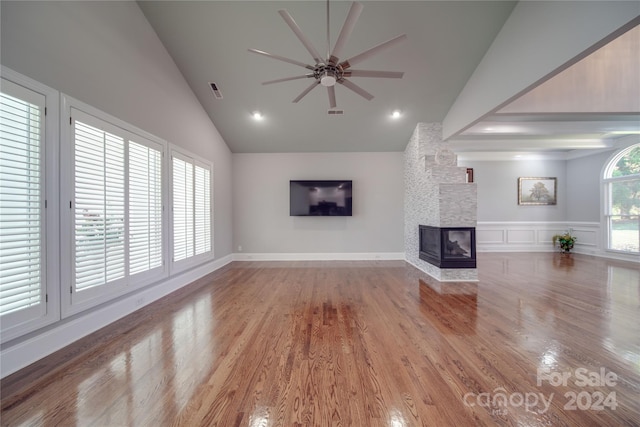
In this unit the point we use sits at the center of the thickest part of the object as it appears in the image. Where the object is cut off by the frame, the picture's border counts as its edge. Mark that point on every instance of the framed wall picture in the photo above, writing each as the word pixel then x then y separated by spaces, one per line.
pixel 537 191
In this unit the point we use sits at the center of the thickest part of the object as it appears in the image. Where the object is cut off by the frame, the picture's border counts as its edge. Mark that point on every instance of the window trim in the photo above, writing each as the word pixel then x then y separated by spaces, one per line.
pixel 50 172
pixel 605 180
pixel 73 302
pixel 190 262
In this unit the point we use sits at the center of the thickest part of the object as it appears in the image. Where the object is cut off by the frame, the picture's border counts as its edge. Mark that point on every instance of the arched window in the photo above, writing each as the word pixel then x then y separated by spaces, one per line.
pixel 622 200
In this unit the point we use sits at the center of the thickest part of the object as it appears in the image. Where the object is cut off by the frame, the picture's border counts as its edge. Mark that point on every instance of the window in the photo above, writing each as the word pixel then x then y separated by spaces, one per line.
pixel 27 286
pixel 191 208
pixel 116 204
pixel 622 196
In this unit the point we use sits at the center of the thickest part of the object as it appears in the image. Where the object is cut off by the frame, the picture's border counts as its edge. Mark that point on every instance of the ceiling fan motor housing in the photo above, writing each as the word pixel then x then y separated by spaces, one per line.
pixel 328 74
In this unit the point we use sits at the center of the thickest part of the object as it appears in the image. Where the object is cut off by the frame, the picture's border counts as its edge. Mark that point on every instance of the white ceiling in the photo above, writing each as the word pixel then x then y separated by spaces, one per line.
pixel 446 40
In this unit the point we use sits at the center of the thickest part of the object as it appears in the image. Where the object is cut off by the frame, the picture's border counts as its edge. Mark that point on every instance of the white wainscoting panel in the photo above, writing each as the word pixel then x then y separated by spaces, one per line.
pixel 519 236
pixel 587 237
pixel 490 236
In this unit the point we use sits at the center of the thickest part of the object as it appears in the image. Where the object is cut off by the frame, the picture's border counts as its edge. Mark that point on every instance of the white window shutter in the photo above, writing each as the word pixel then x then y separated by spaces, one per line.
pixel 116 212
pixel 182 209
pixel 21 201
pixel 202 210
pixel 145 208
pixel 99 208
pixel 192 210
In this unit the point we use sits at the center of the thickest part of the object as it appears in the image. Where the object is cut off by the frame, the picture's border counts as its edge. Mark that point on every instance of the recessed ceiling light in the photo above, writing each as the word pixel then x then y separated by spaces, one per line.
pixel 257 115
pixel 396 114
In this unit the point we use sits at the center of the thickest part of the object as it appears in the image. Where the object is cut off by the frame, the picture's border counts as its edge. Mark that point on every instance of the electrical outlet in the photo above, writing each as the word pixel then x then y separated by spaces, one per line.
pixel 239 248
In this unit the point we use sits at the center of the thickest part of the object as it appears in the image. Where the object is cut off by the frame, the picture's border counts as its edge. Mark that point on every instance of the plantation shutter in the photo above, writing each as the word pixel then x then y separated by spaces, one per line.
pixel 191 208
pixel 145 208
pixel 202 210
pixel 21 199
pixel 182 209
pixel 99 190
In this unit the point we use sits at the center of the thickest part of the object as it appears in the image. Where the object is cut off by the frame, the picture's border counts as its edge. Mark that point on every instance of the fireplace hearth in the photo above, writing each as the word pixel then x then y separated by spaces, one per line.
pixel 448 247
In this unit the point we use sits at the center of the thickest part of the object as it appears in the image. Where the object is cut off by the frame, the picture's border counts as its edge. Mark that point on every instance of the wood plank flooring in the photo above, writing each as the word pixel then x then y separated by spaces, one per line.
pixel 358 344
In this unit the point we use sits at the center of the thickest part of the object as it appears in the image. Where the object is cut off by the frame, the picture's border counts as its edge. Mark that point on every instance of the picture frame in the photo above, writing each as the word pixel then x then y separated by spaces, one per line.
pixel 536 191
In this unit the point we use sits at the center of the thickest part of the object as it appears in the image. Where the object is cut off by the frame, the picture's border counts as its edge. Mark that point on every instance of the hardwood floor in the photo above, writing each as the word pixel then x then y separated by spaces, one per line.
pixel 358 344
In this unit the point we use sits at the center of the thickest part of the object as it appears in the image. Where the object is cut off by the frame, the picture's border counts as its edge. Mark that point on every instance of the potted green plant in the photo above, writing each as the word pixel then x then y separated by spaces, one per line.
pixel 565 240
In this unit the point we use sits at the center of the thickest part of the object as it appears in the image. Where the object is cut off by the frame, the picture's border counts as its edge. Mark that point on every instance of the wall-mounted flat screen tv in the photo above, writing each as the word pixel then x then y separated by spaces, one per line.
pixel 320 198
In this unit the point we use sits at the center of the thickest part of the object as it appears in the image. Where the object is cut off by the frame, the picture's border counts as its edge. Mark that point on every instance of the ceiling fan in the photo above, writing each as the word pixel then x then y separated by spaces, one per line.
pixel 327 72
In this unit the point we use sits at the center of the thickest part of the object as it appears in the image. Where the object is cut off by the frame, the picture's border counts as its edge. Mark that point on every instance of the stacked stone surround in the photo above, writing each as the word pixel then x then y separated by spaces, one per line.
pixel 436 194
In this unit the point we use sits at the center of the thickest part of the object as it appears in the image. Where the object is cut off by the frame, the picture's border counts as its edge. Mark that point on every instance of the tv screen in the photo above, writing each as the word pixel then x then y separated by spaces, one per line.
pixel 320 198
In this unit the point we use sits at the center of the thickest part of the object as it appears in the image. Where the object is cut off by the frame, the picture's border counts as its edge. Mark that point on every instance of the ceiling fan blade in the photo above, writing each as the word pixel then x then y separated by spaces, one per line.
pixel 345 32
pixel 286 79
pixel 306 91
pixel 371 73
pixel 373 51
pixel 357 89
pixel 281 58
pixel 298 32
pixel 331 90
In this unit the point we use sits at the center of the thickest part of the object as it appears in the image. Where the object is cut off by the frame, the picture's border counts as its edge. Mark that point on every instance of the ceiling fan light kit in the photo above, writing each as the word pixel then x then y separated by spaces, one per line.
pixel 328 79
pixel 331 71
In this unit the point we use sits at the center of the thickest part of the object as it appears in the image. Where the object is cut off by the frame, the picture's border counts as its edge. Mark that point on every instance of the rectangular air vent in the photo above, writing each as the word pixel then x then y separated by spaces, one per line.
pixel 334 112
pixel 216 91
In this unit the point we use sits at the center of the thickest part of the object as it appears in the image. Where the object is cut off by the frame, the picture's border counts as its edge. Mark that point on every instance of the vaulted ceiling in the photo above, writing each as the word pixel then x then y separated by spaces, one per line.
pixel 446 40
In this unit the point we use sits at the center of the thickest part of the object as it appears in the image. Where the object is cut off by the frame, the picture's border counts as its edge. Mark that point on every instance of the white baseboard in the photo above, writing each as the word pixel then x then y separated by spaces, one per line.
pixel 36 345
pixel 346 256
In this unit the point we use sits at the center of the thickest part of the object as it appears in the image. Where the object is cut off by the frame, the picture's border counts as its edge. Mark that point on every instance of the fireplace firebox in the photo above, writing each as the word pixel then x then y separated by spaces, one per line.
pixel 448 247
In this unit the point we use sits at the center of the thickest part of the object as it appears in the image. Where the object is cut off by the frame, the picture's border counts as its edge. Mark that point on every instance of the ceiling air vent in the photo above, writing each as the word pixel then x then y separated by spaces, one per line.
pixel 334 112
pixel 216 91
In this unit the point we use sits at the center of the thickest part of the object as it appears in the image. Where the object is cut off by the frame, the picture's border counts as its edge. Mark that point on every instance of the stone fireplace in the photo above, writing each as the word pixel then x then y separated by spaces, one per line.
pixel 440 208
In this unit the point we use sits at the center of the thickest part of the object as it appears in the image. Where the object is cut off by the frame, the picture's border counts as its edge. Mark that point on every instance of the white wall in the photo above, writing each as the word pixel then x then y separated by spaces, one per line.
pixel 497 183
pixel 107 55
pixel 584 200
pixel 262 225
pixel 579 188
